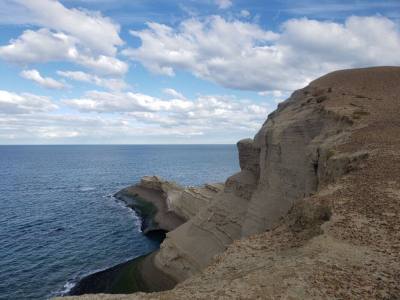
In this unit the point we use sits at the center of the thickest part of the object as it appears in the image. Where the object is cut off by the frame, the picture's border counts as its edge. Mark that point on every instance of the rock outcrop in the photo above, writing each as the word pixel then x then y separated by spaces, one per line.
pixel 164 205
pixel 314 211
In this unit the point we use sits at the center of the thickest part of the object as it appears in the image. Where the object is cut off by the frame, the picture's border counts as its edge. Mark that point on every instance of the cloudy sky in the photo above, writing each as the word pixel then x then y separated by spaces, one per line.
pixel 163 71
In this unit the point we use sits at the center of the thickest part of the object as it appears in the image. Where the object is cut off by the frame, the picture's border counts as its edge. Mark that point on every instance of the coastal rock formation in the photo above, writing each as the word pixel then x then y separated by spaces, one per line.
pixel 314 211
pixel 249 156
pixel 164 205
pixel 192 199
pixel 286 162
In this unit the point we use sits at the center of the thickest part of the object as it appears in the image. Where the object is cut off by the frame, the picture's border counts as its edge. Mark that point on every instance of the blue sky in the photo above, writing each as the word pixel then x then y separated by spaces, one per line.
pixel 139 72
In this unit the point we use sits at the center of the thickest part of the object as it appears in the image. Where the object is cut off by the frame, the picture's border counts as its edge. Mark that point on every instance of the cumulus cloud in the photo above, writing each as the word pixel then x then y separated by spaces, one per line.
pixel 115 84
pixel 46 82
pixel 67 128
pixel 223 4
pixel 205 112
pixel 39 46
pixel 84 38
pixel 124 117
pixel 40 126
pixel 201 47
pixel 25 103
pixel 96 32
pixel 242 55
pixel 97 101
pixel 103 65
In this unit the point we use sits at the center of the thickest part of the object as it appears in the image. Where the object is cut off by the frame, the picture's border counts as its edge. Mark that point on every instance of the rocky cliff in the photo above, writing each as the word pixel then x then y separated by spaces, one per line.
pixel 164 205
pixel 314 211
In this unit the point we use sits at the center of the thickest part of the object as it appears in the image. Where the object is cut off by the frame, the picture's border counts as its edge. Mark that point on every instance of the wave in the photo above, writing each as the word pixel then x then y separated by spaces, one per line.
pixel 136 219
pixel 66 289
pixel 86 188
pixel 70 284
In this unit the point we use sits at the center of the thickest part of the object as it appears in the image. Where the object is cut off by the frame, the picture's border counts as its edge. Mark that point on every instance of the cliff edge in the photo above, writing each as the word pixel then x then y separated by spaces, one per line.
pixel 314 211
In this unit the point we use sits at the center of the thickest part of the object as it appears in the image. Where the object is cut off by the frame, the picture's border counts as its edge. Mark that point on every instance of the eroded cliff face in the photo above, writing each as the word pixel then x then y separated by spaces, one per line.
pixel 288 160
pixel 293 144
pixel 165 205
pixel 314 211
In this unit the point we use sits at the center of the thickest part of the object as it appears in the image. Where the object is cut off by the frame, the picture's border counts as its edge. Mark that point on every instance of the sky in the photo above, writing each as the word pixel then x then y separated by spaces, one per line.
pixel 173 72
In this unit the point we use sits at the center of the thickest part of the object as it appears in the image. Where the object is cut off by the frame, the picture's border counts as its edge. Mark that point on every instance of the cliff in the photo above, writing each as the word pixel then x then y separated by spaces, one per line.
pixel 314 211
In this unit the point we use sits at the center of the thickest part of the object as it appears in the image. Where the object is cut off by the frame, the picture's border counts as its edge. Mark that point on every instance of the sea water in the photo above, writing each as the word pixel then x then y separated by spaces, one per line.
pixel 58 219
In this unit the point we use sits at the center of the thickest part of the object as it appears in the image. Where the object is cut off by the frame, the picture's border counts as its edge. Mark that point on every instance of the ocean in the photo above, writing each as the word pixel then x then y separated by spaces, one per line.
pixel 59 220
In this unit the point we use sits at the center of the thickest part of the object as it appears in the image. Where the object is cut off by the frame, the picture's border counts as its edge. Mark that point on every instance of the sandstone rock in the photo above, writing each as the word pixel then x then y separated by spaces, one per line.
pixel 156 183
pixel 172 203
pixel 249 156
pixel 190 247
pixel 279 167
pixel 192 199
pixel 289 159
pixel 242 184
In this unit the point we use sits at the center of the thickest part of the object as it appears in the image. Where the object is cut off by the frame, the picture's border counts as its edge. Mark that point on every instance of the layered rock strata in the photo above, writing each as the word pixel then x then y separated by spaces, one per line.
pixel 285 162
pixel 164 205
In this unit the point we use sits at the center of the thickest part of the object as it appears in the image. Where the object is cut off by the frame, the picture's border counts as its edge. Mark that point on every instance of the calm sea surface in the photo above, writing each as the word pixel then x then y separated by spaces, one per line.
pixel 58 220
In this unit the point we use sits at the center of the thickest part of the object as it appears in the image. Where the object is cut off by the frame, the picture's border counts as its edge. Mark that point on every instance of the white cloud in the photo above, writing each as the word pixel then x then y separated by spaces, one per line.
pixel 97 101
pixel 40 126
pixel 46 82
pixel 205 112
pixel 207 48
pixel 223 4
pixel 244 13
pixel 45 45
pixel 51 128
pixel 84 38
pixel 173 93
pixel 360 41
pixel 39 46
pixel 242 55
pixel 274 93
pixel 103 65
pixel 25 103
pixel 127 117
pixel 115 84
pixel 96 32
pixel 276 96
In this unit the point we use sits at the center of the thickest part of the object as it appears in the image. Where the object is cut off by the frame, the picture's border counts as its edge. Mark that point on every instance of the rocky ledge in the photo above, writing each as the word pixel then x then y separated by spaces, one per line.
pixel 314 211
pixel 165 205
